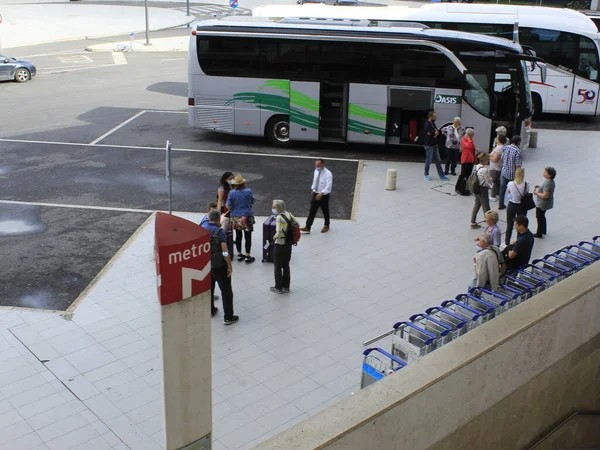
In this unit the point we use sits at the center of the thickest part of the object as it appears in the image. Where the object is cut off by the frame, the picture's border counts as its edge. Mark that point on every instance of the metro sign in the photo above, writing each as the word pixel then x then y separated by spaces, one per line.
pixel 182 258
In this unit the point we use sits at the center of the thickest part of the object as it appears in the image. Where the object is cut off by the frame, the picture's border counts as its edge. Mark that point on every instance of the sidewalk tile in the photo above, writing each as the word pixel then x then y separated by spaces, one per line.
pixel 280 416
pixel 13 432
pixel 61 427
pixel 81 387
pixel 73 439
pixel 125 429
pixel 43 404
pixel 61 368
pixel 26 442
pixel 103 407
pixel 51 416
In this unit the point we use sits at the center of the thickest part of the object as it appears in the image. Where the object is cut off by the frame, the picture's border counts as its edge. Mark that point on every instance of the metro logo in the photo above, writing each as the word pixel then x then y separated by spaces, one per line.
pixel 182 258
pixel 447 99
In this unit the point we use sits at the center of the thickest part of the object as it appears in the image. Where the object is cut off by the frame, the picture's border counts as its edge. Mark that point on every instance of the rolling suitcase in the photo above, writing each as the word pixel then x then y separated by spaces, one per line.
pixel 268 233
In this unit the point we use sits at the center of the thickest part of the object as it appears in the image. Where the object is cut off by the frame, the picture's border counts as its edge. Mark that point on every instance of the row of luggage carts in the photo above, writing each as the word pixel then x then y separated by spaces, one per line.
pixel 439 325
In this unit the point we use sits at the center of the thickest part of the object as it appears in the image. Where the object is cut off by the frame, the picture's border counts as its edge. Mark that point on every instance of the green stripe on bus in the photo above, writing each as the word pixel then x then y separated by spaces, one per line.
pixel 360 111
pixel 360 127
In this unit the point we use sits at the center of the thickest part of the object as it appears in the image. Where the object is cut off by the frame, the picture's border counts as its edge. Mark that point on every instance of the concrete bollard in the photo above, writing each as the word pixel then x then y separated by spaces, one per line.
pixel 390 181
pixel 533 136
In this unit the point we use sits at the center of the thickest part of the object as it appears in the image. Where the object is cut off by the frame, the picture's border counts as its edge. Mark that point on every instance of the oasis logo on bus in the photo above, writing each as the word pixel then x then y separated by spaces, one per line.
pixel 586 95
pixel 447 99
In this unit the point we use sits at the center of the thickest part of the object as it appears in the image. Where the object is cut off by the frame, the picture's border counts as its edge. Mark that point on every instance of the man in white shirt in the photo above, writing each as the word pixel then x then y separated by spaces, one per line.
pixel 321 188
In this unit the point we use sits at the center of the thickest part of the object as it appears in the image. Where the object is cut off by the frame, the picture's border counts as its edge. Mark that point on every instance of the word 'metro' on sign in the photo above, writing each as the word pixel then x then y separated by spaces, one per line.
pixel 189 253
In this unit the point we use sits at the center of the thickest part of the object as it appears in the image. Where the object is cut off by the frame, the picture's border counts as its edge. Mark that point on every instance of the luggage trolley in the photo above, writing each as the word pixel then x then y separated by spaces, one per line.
pixel 538 283
pixel 442 331
pixel 573 258
pixel 474 317
pixel 458 323
pixel 524 289
pixel 486 309
pixel 409 342
pixel 501 302
pixel 378 363
pixel 589 248
pixel 559 270
pixel 575 251
pixel 550 277
pixel 573 264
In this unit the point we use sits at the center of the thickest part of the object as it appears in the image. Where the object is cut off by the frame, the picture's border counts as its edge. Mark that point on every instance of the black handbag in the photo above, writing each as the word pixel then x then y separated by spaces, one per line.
pixel 527 202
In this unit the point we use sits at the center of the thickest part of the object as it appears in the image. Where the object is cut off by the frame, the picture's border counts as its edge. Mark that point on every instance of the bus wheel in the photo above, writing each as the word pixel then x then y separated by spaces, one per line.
pixel 537 106
pixel 278 130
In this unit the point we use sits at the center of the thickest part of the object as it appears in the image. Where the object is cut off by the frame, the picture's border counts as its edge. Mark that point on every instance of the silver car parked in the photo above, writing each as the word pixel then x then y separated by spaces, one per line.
pixel 16 69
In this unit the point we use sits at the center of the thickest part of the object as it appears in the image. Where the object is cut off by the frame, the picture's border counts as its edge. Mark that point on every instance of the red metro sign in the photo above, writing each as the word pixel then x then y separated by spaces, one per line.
pixel 182 258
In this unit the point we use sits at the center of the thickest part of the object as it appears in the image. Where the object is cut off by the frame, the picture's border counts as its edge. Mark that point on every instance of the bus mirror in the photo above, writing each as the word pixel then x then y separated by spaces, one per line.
pixel 543 71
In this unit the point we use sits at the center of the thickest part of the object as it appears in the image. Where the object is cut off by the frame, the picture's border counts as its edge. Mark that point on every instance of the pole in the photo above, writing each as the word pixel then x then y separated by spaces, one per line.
pixel 187 7
pixel 147 23
pixel 169 177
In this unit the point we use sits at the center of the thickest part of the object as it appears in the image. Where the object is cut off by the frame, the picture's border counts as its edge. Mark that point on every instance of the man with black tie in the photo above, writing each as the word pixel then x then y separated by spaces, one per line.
pixel 321 188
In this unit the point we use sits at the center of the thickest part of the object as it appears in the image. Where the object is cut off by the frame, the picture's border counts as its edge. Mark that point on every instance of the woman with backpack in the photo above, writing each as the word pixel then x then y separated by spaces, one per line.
pixel 239 202
pixel 481 182
pixel 467 161
pixel 284 237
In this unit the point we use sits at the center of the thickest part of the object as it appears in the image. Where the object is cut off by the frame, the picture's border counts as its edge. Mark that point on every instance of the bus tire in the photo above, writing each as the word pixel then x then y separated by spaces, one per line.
pixel 277 130
pixel 537 106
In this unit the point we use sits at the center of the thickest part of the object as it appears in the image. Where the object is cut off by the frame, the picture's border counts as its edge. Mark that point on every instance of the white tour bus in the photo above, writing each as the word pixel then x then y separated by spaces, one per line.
pixel 565 39
pixel 350 81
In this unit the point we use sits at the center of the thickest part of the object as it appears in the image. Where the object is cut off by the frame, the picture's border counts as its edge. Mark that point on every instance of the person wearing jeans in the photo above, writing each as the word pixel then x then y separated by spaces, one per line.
pixel 320 190
pixel 282 242
pixel 512 157
pixel 431 137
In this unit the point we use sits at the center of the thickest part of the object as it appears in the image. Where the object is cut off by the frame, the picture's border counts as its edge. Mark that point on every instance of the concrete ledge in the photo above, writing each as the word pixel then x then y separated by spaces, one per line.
pixel 431 399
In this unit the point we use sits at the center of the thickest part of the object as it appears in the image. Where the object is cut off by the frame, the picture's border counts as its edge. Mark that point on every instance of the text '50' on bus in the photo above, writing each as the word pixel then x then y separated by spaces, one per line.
pixel 347 81
pixel 565 39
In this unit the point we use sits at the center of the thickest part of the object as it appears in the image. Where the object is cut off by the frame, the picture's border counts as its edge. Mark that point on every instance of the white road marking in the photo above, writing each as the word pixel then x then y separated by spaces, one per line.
pixel 80 68
pixel 64 67
pixel 62 205
pixel 168 112
pixel 121 125
pixel 162 149
pixel 172 59
pixel 119 58
pixel 75 59
pixel 54 53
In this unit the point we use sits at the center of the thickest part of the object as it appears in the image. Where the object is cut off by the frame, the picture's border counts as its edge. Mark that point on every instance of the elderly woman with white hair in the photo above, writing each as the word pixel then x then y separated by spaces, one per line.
pixel 454 134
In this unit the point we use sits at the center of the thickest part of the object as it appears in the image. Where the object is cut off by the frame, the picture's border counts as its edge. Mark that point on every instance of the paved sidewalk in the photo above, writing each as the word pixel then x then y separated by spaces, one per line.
pixel 93 380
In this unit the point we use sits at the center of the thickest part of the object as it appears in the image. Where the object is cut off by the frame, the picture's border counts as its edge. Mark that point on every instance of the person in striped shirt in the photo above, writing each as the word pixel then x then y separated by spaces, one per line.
pixel 512 158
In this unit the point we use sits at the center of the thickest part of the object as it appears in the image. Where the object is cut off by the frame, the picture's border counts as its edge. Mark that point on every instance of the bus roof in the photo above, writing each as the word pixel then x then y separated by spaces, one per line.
pixel 409 32
pixel 528 16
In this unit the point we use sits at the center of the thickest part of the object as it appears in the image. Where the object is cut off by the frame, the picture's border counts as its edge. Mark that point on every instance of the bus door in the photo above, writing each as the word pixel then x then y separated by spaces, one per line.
pixel 304 111
pixel 333 111
pixel 585 96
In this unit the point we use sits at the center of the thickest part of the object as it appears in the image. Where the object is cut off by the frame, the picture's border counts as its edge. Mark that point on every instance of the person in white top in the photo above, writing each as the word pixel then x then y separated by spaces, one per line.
pixel 516 190
pixel 483 178
pixel 321 189
pixel 496 165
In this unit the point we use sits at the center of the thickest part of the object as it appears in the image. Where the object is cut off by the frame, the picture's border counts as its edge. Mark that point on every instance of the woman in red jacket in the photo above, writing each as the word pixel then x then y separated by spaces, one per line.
pixel 467 161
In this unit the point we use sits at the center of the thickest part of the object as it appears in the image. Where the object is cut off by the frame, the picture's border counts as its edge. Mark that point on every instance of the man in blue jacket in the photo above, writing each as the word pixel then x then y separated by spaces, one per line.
pixel 431 137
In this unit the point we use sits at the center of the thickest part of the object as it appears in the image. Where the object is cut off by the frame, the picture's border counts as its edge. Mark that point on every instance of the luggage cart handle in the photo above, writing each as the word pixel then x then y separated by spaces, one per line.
pixel 388 355
pixel 490 292
pixel 412 325
pixel 450 313
pixel 377 338
pixel 464 306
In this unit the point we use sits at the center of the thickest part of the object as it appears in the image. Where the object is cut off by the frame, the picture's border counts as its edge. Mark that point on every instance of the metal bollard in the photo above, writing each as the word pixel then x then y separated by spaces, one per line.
pixel 390 181
pixel 533 137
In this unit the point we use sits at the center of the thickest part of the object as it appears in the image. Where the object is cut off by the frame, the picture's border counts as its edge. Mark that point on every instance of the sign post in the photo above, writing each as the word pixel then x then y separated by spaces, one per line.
pixel 183 275
pixel 169 176
pixel 234 5
pixel 131 37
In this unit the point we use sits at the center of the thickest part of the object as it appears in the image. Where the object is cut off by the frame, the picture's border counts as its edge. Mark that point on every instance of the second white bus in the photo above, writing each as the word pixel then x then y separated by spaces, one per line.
pixel 567 40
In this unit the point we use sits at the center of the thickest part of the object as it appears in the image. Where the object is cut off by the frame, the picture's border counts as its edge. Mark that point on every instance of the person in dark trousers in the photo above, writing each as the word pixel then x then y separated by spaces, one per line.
pixel 239 202
pixel 545 200
pixel 519 253
pixel 211 207
pixel 512 157
pixel 467 161
pixel 454 134
pixel 223 191
pixel 283 247
pixel 320 191
pixel 430 143
pixel 221 268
